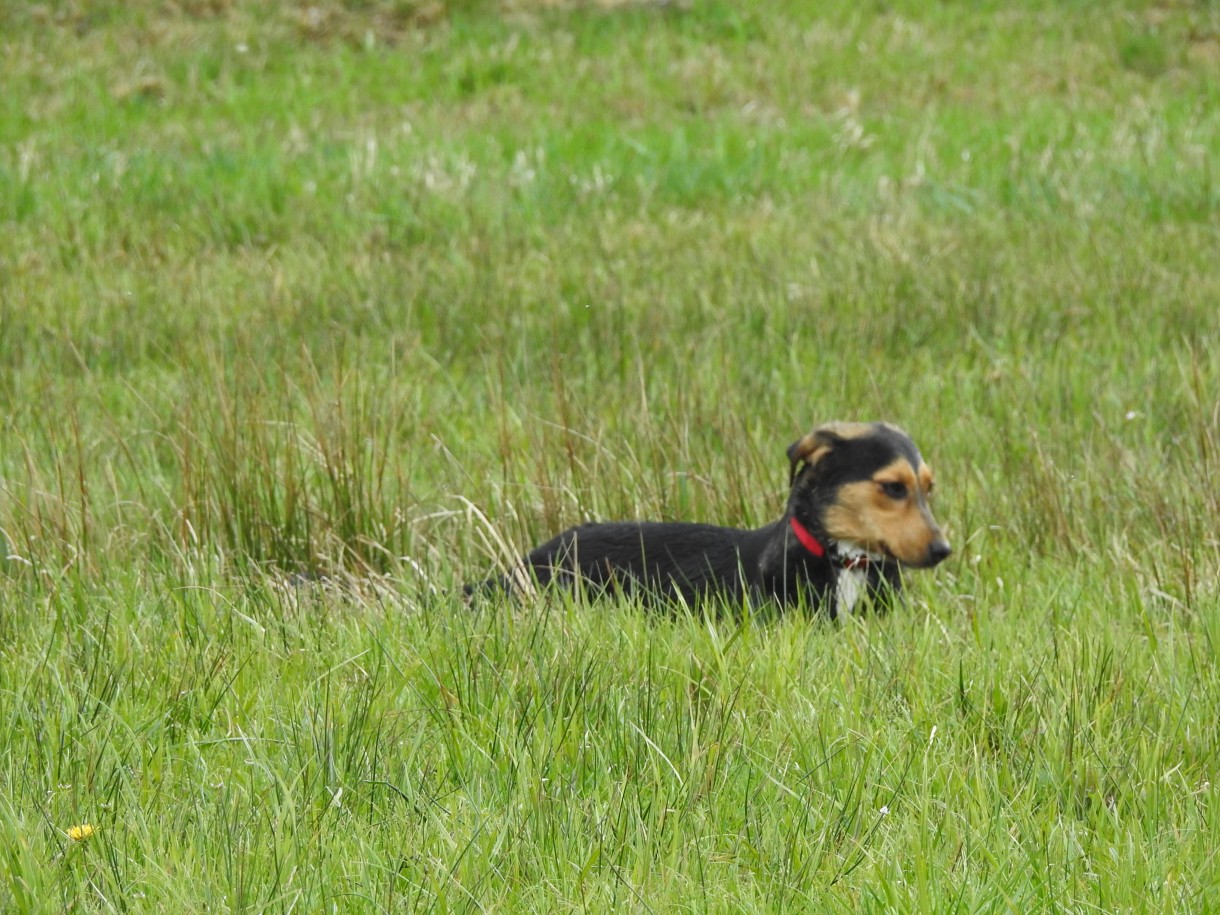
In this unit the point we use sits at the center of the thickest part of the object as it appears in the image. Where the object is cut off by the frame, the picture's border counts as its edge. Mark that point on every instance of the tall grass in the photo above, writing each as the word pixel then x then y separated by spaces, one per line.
pixel 307 315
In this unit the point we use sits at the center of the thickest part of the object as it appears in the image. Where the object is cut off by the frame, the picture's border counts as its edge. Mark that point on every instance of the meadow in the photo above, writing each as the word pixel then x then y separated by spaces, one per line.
pixel 310 313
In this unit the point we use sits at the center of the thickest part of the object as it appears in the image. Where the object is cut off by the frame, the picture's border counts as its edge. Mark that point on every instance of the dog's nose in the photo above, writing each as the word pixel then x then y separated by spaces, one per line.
pixel 938 551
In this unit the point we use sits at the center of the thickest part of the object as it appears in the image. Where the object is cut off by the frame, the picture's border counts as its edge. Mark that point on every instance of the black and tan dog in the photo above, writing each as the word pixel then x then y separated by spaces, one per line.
pixel 857 513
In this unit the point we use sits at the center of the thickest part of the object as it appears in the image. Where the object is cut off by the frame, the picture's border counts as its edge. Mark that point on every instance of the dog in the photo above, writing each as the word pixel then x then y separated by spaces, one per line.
pixel 857 514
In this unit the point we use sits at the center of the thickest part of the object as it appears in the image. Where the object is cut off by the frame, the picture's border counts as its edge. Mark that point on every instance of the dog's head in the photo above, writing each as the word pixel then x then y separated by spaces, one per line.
pixel 866 485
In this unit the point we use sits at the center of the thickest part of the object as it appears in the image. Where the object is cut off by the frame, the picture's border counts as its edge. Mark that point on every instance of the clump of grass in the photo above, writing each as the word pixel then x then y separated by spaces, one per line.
pixel 1145 52
pixel 303 484
pixel 295 478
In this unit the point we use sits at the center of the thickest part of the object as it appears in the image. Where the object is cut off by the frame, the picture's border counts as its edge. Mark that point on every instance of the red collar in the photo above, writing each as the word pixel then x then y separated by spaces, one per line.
pixel 813 545
pixel 808 541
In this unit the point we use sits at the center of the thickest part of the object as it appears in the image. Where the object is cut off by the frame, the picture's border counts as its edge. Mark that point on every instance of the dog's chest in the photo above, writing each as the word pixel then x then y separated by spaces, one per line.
pixel 849 585
pixel 851 576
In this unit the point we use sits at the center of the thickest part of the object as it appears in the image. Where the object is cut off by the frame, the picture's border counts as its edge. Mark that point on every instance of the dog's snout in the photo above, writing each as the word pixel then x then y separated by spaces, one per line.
pixel 938 551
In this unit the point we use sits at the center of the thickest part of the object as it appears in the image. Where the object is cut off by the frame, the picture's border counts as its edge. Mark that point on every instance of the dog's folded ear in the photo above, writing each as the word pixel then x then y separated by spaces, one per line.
pixel 811 448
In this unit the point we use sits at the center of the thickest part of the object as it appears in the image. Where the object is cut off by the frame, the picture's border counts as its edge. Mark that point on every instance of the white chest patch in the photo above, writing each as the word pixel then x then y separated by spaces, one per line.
pixel 850 583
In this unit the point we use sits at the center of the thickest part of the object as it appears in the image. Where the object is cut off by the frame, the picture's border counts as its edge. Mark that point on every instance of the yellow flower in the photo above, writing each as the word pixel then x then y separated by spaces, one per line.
pixel 80 833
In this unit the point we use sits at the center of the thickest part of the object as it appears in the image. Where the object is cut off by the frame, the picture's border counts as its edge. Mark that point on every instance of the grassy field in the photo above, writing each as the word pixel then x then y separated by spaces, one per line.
pixel 384 291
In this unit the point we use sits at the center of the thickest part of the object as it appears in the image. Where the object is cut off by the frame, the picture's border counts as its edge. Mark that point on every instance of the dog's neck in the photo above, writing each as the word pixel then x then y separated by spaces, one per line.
pixel 842 553
pixel 849 555
pixel 805 538
pixel 849 560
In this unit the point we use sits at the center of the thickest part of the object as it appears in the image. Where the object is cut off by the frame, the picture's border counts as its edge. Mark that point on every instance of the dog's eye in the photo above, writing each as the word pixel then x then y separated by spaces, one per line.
pixel 896 491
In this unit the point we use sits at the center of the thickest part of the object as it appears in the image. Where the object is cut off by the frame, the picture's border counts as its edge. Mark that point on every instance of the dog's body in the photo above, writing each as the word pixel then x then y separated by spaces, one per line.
pixel 688 563
pixel 857 512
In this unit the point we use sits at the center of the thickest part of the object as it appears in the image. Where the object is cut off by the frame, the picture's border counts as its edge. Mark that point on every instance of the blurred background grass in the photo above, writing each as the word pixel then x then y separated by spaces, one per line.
pixel 571 261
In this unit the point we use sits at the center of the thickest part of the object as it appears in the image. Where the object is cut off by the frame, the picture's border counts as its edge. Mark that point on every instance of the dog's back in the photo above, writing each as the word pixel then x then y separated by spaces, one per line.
pixel 666 559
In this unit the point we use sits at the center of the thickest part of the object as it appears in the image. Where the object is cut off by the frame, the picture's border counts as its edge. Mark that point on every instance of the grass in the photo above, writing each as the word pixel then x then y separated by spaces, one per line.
pixel 386 291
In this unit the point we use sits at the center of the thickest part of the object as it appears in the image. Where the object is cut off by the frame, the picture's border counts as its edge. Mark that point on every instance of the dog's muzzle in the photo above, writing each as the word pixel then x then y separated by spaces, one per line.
pixel 938 552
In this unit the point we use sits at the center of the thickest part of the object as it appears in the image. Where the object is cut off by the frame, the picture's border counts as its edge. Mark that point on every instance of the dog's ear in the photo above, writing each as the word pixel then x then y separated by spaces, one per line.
pixel 811 448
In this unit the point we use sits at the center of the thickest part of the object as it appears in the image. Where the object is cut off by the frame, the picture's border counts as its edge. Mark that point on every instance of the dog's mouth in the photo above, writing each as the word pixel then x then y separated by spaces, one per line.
pixel 855 555
pixel 934 555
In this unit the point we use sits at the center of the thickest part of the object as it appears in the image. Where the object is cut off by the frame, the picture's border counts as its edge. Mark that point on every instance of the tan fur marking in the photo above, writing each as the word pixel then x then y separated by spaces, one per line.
pixel 811 448
pixel 897 472
pixel 865 516
pixel 808 449
pixel 845 430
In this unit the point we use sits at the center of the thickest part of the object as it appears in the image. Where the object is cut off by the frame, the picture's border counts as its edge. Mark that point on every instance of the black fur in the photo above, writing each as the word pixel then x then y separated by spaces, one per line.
pixel 674 562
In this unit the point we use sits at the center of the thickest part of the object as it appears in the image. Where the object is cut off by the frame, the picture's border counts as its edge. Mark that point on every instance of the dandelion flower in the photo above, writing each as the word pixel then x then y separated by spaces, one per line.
pixel 81 832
